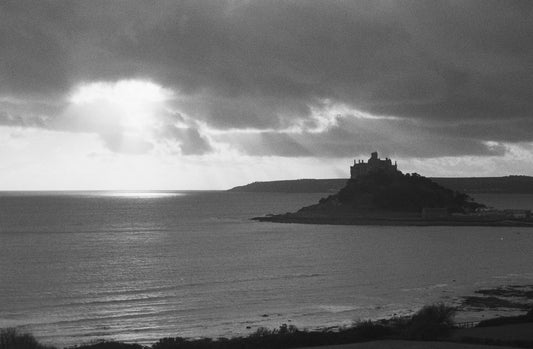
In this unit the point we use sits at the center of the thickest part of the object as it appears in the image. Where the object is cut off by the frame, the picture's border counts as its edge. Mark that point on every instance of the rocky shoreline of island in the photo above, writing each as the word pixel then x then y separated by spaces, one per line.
pixel 393 220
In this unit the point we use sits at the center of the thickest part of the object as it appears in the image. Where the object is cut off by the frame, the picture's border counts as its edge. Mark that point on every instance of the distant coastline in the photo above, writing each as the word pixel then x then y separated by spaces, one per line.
pixel 472 185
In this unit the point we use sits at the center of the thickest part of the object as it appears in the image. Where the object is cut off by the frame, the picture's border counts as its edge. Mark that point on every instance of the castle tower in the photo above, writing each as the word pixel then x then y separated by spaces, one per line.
pixel 374 164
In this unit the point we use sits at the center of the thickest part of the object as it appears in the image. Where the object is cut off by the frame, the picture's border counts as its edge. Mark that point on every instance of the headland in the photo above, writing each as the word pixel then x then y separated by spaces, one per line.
pixel 377 193
pixel 512 184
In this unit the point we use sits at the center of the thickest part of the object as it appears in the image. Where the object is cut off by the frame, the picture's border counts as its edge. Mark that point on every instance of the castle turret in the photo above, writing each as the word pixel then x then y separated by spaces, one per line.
pixel 374 164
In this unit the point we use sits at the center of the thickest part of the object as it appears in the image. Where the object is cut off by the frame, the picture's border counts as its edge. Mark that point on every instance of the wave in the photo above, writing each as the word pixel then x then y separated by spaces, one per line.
pixel 148 297
pixel 426 288
pixel 343 308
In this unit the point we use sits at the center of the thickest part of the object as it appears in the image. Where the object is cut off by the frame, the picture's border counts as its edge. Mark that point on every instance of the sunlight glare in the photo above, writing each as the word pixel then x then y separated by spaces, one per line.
pixel 135 101
pixel 141 194
pixel 127 114
pixel 123 91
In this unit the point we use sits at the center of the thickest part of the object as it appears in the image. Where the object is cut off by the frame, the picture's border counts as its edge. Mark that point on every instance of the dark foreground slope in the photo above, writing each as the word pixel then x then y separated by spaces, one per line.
pixel 471 185
pixel 384 198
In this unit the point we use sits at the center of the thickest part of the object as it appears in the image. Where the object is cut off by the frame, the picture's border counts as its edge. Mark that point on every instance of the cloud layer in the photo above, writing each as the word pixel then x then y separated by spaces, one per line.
pixel 440 78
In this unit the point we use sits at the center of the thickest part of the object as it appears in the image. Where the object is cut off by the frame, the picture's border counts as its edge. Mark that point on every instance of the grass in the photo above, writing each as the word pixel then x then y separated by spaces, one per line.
pixel 497 342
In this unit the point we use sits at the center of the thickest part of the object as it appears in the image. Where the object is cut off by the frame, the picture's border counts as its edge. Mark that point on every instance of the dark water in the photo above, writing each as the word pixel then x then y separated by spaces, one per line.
pixel 139 266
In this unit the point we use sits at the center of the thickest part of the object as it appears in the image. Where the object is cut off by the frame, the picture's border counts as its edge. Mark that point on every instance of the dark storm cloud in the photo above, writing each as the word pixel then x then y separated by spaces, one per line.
pixel 357 136
pixel 460 70
pixel 186 133
pixel 192 142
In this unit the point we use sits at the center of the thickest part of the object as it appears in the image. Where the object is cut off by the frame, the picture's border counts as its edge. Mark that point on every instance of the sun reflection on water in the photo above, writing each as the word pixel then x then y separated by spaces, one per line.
pixel 141 194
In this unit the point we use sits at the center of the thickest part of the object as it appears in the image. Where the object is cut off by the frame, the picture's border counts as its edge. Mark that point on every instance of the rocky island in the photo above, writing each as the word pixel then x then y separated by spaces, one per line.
pixel 377 193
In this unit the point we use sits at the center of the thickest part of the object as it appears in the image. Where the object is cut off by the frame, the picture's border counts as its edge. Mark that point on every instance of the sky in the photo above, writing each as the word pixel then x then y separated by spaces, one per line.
pixel 213 94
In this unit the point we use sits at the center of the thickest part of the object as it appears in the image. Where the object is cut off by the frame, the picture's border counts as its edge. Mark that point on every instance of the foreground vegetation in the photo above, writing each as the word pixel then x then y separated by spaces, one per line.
pixel 433 322
pixel 430 323
pixel 10 338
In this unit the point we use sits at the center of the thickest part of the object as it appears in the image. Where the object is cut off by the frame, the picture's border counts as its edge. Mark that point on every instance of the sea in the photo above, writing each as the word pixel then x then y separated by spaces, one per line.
pixel 76 267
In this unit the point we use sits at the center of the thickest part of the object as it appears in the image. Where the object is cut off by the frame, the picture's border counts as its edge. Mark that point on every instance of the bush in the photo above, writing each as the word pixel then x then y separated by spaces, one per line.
pixel 431 322
pixel 10 338
pixel 286 336
pixel 368 330
pixel 166 343
pixel 108 345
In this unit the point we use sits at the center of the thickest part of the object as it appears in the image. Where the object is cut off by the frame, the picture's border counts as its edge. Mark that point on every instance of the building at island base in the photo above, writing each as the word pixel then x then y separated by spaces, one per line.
pixel 374 164
pixel 506 213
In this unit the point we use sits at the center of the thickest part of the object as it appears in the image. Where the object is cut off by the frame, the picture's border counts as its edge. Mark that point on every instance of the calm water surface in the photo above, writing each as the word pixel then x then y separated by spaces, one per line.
pixel 79 266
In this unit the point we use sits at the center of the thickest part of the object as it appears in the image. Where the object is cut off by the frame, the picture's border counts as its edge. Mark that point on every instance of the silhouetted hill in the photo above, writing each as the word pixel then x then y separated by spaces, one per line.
pixel 396 191
pixel 384 197
pixel 471 185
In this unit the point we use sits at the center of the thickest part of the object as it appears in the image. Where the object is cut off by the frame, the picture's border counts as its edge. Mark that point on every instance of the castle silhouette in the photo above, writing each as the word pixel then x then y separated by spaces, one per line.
pixel 374 164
